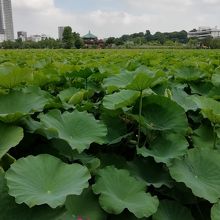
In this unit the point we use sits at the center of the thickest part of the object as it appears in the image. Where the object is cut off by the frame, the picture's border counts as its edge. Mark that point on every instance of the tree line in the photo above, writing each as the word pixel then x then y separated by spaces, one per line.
pixel 70 40
pixel 144 38
pixel 73 40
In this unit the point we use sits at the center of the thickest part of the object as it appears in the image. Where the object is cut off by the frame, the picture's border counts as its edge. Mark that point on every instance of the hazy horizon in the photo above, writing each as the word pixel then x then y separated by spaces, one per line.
pixel 107 18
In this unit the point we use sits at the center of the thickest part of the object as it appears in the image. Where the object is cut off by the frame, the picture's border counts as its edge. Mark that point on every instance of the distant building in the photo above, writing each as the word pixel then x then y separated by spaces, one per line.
pixel 204 32
pixel 6 21
pixel 44 36
pixel 37 37
pixel 90 40
pixel 60 32
pixel 22 35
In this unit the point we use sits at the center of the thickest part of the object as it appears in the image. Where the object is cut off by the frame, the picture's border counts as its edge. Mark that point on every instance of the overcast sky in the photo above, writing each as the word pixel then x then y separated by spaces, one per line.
pixel 107 18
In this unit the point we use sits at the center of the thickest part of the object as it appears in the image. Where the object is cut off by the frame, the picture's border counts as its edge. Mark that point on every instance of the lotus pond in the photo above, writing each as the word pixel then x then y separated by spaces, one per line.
pixel 110 135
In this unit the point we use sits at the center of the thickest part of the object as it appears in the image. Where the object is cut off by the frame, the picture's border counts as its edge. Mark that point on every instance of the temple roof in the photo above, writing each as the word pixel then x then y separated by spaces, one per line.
pixel 89 36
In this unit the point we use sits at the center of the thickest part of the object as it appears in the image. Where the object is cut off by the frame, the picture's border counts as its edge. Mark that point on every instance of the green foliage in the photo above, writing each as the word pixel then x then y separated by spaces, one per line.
pixel 78 129
pixel 17 104
pixel 160 113
pixel 86 206
pixel 44 179
pixel 165 147
pixel 110 134
pixel 215 211
pixel 170 210
pixel 200 171
pixel 10 136
pixel 68 39
pixel 119 191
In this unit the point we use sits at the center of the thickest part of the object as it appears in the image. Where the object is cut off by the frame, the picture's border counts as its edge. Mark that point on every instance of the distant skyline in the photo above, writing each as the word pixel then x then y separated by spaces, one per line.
pixel 107 18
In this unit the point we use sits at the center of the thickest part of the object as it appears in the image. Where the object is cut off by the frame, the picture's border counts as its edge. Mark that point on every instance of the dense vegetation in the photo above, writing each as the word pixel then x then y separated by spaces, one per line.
pixel 107 135
pixel 136 40
pixel 158 38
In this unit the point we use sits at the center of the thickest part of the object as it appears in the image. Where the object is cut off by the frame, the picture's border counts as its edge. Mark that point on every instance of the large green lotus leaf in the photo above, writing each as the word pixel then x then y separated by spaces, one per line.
pixel 117 129
pixel 188 73
pixel 200 171
pixel 161 113
pixel 44 179
pixel 10 210
pixel 215 211
pixel 210 108
pixel 165 147
pixel 145 78
pixel 146 169
pixel 19 103
pixel 143 81
pixel 140 79
pixel 183 99
pixel 201 88
pixel 216 77
pixel 85 206
pixel 79 129
pixel 10 136
pixel 203 137
pixel 120 99
pixel 214 93
pixel 11 75
pixel 171 210
pixel 83 73
pixel 120 191
pixel 119 81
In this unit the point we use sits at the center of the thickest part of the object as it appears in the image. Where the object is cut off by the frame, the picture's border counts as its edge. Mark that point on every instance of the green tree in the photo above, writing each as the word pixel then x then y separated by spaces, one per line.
pixel 158 36
pixel 110 41
pixel 68 38
pixel 148 35
pixel 78 42
pixel 206 42
pixel 215 44
pixel 193 43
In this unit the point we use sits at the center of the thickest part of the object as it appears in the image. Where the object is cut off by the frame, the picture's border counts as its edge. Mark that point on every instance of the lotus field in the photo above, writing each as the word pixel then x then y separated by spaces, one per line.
pixel 110 135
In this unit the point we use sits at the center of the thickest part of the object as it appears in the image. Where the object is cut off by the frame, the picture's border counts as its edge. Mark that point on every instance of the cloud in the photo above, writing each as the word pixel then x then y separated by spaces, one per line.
pixel 43 16
pixel 36 5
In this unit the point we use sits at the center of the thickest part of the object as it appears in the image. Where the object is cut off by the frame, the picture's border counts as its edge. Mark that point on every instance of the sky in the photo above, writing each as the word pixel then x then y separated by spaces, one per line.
pixel 107 18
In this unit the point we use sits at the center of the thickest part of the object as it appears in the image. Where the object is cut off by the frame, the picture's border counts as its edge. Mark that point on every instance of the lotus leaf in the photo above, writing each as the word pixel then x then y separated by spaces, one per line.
pixel 44 179
pixel 10 136
pixel 79 129
pixel 200 171
pixel 165 148
pixel 171 210
pixel 120 191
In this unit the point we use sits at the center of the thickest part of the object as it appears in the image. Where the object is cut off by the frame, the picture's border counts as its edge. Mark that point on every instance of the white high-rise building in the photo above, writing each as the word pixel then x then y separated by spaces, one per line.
pixel 6 21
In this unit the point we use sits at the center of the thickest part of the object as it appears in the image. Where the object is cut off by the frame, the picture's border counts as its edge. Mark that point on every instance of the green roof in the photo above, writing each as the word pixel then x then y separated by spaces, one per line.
pixel 89 36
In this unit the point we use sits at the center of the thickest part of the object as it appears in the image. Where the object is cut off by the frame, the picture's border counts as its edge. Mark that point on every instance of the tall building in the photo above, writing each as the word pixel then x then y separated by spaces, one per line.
pixel 6 20
pixel 60 32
